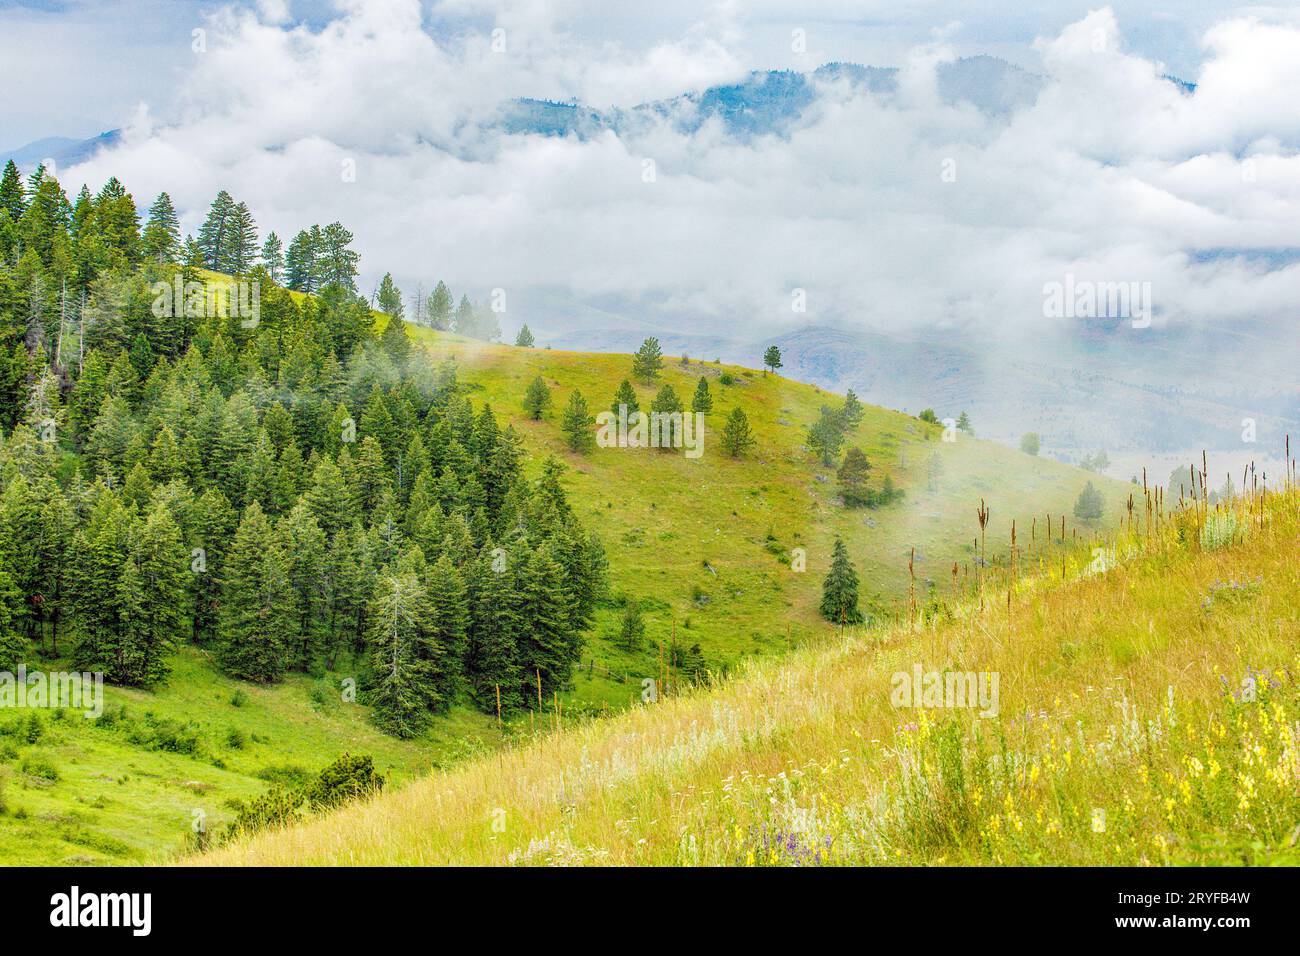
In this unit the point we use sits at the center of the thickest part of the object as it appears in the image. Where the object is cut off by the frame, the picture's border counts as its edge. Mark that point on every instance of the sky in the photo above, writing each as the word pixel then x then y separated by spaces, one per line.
pixel 898 213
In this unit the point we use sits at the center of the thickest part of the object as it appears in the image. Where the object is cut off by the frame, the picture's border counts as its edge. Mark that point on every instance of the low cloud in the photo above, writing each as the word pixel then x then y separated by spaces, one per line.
pixel 896 211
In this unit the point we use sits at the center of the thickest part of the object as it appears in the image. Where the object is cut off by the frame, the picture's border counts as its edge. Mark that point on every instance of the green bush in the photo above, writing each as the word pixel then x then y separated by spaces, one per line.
pixel 347 778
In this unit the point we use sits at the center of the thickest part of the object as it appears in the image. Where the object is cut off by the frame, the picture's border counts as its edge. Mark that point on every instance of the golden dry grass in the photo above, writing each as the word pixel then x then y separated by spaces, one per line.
pixel 1117 740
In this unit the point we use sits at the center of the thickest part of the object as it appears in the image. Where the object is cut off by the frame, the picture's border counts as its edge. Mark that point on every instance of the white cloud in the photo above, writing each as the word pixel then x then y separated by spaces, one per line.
pixel 1113 174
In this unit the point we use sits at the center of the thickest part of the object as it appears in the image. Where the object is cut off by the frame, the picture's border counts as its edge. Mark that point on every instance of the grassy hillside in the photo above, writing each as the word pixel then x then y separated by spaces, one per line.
pixel 705 544
pixel 1147 715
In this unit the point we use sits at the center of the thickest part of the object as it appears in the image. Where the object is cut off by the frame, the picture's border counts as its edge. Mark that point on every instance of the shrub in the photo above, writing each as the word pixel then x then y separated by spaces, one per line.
pixel 347 778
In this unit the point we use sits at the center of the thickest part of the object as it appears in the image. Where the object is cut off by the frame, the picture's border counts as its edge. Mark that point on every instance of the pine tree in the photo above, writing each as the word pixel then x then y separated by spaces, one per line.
pixel 493 659
pixel 964 425
pixel 390 297
pixel 853 478
pixel 665 418
pixel 162 233
pixel 1090 505
pixel 465 320
pixel 702 401
pixel 401 625
pixel 772 358
pixel 273 257
pixel 826 436
pixel 216 233
pixel 852 412
pixel 449 599
pixel 305 553
pixel 336 259
pixel 525 337
pixel 631 631
pixel 241 249
pixel 545 645
pixel 737 436
pixel 537 399
pixel 14 646
pixel 300 266
pixel 576 424
pixel 840 589
pixel 12 195
pixel 160 561
pixel 213 526
pixel 257 603
pixel 648 361
pixel 395 341
pixel 440 306
pixel 626 396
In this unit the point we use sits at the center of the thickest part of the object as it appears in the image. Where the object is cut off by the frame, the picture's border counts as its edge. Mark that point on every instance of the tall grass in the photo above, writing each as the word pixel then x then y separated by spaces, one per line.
pixel 1149 714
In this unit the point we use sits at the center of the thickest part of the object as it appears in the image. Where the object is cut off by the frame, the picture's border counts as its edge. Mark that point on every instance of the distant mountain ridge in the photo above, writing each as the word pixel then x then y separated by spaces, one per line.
pixel 767 102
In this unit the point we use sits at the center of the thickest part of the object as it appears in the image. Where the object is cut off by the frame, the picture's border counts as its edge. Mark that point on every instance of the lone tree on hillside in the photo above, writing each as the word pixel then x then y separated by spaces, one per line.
pixel 840 589
pixel 737 437
pixel 1088 508
pixel 853 478
pixel 577 424
pixel 963 424
pixel 772 358
pixel 631 631
pixel 1028 443
pixel 525 337
pixel 928 416
pixel 826 436
pixel 537 399
pixel 703 401
pixel 648 360
pixel 852 412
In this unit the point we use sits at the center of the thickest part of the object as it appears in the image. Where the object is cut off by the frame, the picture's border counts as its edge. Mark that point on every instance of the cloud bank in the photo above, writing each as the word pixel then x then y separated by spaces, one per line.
pixel 894 212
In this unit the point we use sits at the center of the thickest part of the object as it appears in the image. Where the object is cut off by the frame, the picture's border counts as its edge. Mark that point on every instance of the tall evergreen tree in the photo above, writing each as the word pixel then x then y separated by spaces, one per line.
pixel 162 233
pixel 440 307
pixel 525 337
pixel 401 626
pixel 840 589
pixel 273 257
pixel 648 361
pixel 577 424
pixel 216 232
pixel 626 396
pixel 702 400
pixel 257 603
pixel 737 436
pixel 537 399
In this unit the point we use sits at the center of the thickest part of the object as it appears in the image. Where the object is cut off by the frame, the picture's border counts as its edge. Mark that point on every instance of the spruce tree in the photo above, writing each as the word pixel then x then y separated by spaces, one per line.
pixel 493 658
pixel 840 589
pixel 525 337
pixel 160 562
pixel 300 266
